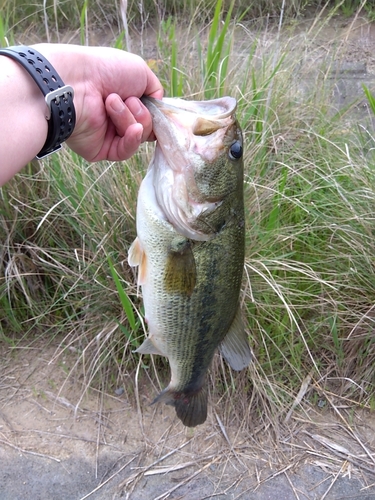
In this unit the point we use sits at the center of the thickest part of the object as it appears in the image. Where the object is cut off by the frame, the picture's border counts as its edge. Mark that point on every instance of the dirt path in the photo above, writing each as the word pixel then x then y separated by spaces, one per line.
pixel 50 448
pixel 73 479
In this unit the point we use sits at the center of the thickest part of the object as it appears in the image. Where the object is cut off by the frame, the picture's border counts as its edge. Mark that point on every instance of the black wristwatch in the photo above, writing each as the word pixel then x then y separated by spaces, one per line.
pixel 60 112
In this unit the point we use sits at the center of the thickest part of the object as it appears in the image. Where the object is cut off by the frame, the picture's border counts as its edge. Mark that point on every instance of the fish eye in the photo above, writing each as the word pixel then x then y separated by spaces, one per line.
pixel 235 151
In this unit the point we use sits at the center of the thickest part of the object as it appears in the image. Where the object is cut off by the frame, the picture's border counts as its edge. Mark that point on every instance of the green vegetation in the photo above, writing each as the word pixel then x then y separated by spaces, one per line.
pixel 309 281
pixel 49 17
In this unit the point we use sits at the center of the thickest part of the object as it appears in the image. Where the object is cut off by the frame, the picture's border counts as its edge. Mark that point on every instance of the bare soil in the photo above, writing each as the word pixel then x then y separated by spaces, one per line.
pixel 58 441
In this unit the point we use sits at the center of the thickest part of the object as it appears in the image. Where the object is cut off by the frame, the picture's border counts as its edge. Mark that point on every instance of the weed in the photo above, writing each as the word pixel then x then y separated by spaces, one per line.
pixel 309 279
pixel 347 7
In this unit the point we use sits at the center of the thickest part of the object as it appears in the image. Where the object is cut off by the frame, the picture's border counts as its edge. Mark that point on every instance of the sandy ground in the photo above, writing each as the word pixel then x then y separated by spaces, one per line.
pixel 59 443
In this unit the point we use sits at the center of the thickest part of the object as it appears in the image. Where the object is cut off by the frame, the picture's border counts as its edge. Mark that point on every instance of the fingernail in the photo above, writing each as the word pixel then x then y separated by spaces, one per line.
pixel 139 135
pixel 118 105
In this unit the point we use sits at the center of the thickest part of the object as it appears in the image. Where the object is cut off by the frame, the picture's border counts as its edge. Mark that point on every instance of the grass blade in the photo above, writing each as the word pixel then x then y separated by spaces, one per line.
pixel 126 303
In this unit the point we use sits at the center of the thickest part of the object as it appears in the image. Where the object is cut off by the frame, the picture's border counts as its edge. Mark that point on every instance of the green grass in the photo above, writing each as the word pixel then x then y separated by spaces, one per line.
pixel 48 19
pixel 309 281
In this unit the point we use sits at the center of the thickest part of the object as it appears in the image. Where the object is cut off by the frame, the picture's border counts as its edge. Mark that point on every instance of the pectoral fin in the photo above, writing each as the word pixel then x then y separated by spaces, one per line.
pixel 235 346
pixel 137 257
pixel 148 347
pixel 180 271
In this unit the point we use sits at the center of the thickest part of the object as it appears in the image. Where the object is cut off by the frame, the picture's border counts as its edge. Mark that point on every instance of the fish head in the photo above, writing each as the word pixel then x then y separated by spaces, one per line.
pixel 197 164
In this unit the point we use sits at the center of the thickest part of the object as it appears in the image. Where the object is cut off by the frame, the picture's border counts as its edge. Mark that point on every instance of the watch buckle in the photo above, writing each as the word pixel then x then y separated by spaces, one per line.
pixel 57 94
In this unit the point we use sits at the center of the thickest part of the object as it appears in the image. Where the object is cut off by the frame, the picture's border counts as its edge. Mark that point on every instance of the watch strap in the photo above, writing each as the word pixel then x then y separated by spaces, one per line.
pixel 60 111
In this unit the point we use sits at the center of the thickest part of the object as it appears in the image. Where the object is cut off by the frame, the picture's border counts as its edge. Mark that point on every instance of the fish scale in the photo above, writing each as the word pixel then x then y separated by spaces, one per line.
pixel 190 246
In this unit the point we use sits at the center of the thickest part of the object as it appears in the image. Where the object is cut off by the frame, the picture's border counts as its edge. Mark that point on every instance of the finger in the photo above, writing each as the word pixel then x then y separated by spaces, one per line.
pixel 124 147
pixel 142 115
pixel 125 114
pixel 153 85
pixel 119 114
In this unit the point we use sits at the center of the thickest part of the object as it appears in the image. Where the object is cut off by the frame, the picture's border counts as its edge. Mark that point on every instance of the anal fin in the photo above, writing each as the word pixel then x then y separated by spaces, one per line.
pixel 235 346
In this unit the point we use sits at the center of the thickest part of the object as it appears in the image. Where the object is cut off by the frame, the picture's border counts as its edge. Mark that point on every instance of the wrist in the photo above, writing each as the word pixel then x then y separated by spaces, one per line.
pixel 24 131
pixel 59 107
pixel 69 62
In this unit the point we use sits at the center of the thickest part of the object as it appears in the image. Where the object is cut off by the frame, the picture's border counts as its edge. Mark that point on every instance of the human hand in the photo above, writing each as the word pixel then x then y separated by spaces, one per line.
pixel 111 121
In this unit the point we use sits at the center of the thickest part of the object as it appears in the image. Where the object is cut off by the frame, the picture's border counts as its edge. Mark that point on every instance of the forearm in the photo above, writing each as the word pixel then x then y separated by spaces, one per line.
pixel 111 121
pixel 23 125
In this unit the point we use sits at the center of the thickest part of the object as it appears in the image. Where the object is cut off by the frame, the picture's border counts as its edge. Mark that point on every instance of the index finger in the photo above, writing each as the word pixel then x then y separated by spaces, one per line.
pixel 153 87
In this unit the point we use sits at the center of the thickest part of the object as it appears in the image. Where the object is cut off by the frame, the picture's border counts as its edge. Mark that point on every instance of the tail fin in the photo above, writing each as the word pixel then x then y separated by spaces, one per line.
pixel 191 407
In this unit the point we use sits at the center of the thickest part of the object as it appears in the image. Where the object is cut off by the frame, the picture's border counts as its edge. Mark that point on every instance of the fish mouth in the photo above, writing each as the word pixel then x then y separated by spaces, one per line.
pixel 176 121
pixel 214 108
pixel 201 118
pixel 189 134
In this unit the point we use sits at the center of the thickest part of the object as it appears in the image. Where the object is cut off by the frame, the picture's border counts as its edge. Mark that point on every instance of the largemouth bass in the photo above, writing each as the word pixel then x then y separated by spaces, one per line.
pixel 190 246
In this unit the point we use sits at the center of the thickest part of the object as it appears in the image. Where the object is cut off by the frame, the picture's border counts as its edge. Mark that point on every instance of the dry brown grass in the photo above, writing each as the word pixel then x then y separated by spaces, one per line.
pixel 308 291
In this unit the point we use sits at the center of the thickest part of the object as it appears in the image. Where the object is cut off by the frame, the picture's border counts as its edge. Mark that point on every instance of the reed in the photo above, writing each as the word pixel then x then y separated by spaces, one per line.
pixel 309 277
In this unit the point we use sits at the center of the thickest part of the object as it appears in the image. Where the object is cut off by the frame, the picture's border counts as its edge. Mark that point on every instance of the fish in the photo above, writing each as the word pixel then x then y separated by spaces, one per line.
pixel 190 246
